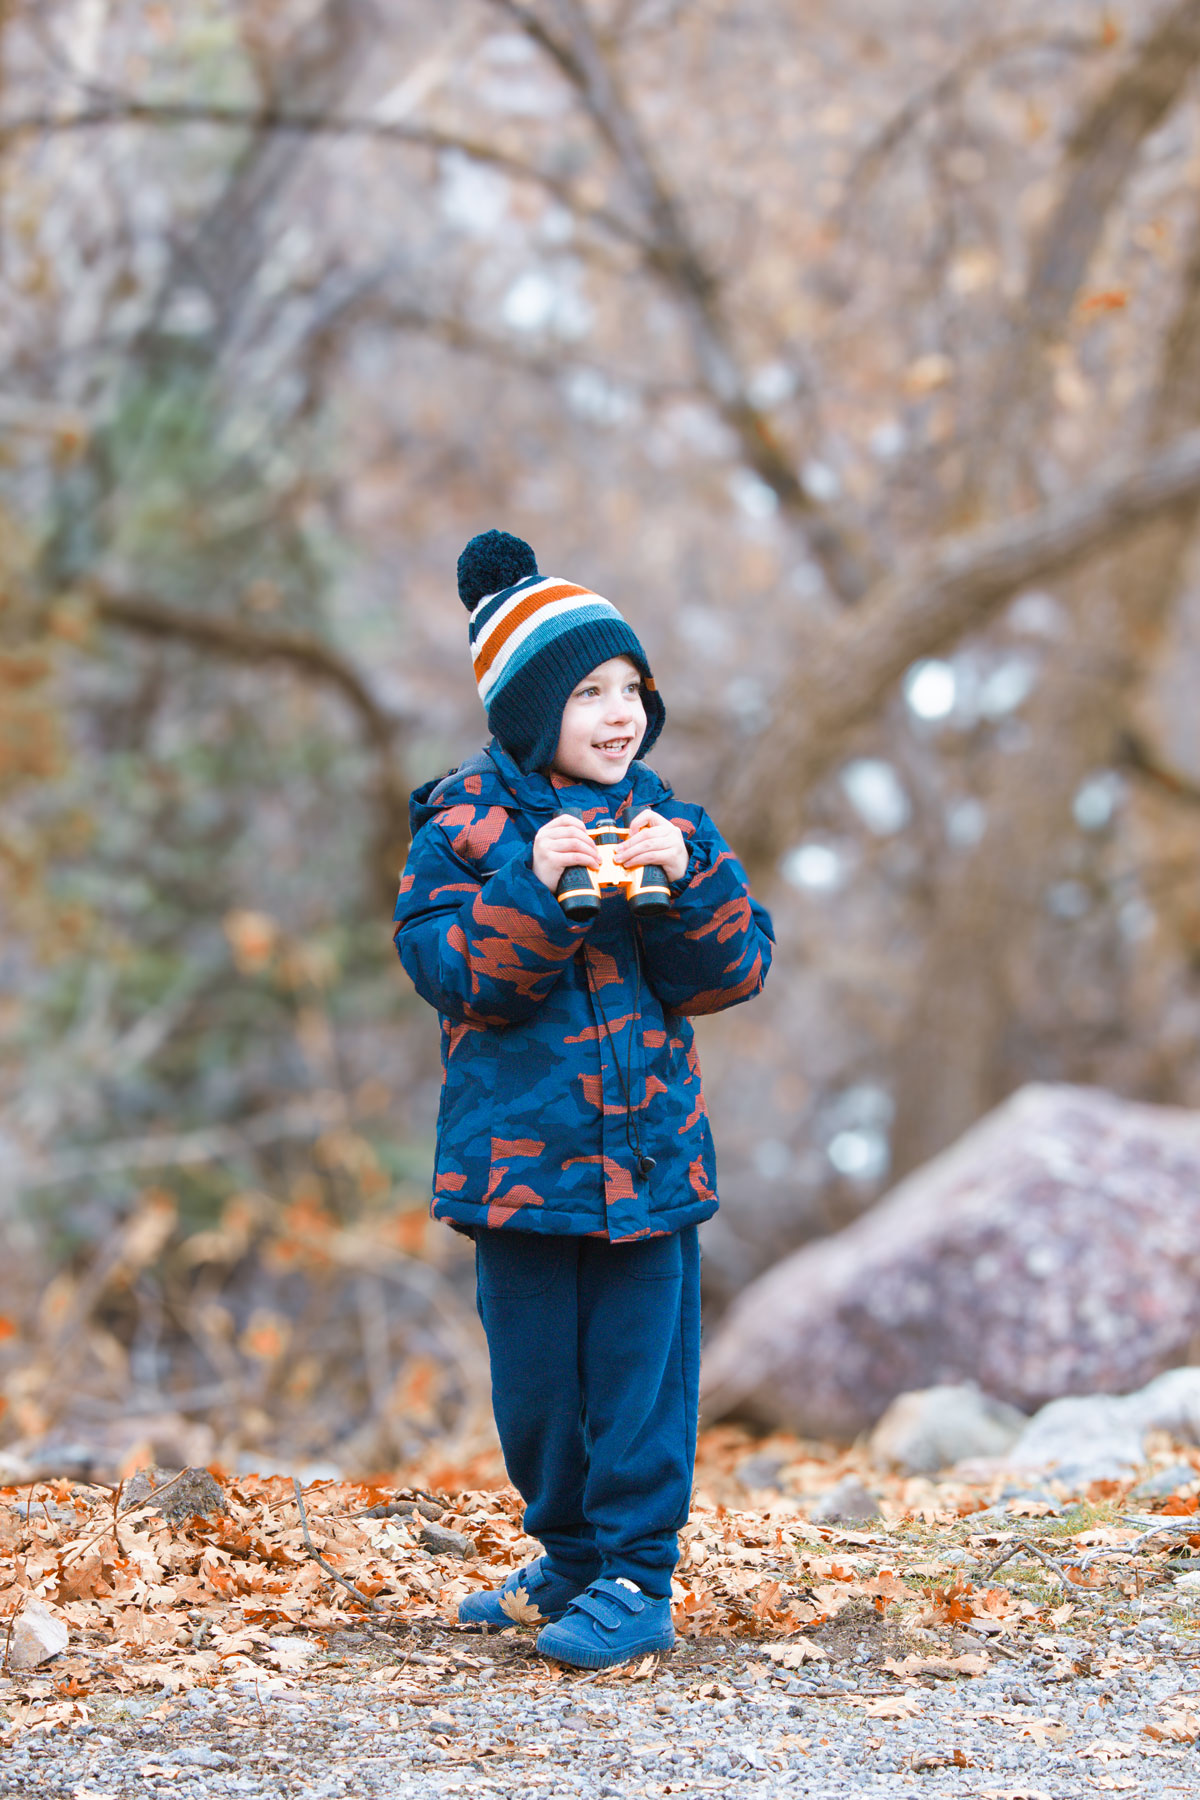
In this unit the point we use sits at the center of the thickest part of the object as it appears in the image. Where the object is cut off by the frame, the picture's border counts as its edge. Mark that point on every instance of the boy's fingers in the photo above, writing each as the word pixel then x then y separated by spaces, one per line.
pixel 645 853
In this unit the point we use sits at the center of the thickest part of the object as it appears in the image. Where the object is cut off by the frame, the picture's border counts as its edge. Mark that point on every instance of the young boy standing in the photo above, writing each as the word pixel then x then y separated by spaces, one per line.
pixel 573 1142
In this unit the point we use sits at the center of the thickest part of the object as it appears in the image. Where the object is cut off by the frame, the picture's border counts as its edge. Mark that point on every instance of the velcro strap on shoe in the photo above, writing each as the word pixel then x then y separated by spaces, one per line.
pixel 609 1604
pixel 530 1576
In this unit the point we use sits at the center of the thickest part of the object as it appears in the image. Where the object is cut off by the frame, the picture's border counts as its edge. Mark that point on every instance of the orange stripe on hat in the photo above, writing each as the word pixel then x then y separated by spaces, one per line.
pixel 499 635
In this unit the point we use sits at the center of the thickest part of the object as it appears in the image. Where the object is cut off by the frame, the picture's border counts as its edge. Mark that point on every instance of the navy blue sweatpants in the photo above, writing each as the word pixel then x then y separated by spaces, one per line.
pixel 595 1355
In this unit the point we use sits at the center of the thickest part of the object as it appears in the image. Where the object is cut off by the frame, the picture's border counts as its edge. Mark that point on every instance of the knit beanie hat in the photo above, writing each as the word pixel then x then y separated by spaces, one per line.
pixel 533 639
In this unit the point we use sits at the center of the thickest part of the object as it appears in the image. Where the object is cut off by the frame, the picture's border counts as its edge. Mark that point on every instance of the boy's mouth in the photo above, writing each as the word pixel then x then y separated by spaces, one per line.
pixel 613 746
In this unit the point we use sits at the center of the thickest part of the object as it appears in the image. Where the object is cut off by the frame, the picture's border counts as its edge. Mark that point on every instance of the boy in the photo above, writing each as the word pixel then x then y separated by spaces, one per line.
pixel 573 1142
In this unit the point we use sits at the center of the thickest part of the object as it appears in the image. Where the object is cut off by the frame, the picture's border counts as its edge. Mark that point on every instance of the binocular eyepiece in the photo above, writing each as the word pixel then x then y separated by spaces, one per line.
pixel 579 888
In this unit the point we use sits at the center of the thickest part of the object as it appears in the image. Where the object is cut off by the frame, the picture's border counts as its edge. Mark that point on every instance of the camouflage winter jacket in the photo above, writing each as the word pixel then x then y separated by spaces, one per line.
pixel 534 1130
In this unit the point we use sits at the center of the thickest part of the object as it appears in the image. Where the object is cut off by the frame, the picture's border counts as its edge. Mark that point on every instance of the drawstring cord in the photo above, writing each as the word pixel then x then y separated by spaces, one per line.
pixel 633 1136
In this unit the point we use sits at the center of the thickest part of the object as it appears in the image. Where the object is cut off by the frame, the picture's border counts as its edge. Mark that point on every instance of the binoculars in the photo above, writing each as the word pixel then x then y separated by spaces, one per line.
pixel 646 888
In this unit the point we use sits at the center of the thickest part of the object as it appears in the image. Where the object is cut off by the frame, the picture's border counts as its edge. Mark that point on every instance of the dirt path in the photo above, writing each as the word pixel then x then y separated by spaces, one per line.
pixel 421 1713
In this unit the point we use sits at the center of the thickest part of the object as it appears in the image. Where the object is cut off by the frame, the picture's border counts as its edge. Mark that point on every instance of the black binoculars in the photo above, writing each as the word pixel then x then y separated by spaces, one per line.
pixel 579 888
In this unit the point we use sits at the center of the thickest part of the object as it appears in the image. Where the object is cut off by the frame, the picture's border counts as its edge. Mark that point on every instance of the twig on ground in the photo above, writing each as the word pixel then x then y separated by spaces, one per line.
pixel 1189 1527
pixel 1173 1528
pixel 1023 1547
pixel 328 1567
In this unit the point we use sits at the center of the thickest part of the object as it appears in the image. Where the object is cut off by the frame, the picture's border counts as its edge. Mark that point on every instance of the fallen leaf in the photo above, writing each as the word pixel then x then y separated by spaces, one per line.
pixel 924 1762
pixel 1176 1728
pixel 1017 1793
pixel 895 1706
pixel 942 1666
pixel 795 1653
pixel 521 1609
pixel 1046 1731
pixel 1106 1749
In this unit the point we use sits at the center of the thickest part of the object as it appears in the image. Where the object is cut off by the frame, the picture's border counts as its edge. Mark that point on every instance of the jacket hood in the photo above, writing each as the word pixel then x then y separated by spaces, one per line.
pixel 492 778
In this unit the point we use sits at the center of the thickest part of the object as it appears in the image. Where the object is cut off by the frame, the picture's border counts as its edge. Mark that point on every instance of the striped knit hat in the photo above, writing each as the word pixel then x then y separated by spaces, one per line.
pixel 533 639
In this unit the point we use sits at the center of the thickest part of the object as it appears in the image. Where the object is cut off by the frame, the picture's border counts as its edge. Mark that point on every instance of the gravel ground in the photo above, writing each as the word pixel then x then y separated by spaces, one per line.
pixel 421 1714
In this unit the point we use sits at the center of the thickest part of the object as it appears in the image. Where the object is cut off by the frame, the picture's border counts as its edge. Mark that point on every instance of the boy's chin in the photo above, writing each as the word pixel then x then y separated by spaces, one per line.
pixel 605 776
pixel 603 773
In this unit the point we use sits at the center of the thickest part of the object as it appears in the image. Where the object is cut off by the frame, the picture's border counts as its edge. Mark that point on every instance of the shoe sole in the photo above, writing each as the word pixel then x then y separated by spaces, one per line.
pixel 609 1659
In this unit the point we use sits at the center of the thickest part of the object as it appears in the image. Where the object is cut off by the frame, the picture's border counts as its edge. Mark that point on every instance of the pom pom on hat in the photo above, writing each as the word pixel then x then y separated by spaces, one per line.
pixel 491 561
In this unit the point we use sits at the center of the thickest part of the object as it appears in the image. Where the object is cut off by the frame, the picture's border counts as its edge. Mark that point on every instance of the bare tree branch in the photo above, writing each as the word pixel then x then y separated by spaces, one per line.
pixel 294 121
pixel 463 335
pixel 1135 755
pixel 1099 158
pixel 992 899
pixel 307 656
pixel 669 252
pixel 673 255
pixel 987 53
pixel 306 1118
pixel 846 669
pixel 254 644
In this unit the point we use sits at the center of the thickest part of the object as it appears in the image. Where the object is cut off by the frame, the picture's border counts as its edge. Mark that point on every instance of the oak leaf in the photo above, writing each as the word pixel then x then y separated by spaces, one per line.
pixel 521 1609
pixel 795 1653
pixel 1176 1728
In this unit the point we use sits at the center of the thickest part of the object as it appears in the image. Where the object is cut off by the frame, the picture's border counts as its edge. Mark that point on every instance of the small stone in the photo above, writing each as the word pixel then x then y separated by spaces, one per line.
pixel 930 1428
pixel 761 1471
pixel 444 1542
pixel 404 1509
pixel 188 1492
pixel 201 1756
pixel 1166 1481
pixel 37 1635
pixel 849 1503
pixel 443 1721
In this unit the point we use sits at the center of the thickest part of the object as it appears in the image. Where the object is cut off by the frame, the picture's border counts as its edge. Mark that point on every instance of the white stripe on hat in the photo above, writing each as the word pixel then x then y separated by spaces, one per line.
pixel 525 592
pixel 587 604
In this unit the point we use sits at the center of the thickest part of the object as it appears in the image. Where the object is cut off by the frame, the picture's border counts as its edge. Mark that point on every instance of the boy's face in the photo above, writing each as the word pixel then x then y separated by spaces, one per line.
pixel 603 723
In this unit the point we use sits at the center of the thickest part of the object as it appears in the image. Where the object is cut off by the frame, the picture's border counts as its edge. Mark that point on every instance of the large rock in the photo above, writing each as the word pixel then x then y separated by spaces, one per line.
pixel 934 1427
pixel 1055 1249
pixel 1101 1437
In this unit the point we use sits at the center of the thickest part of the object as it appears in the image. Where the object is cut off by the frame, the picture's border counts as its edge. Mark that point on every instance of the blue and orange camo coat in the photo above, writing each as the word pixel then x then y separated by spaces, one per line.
pixel 532 1130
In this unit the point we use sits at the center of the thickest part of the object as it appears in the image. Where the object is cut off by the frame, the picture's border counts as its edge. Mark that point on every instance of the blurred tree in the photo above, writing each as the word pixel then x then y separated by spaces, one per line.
pixel 854 355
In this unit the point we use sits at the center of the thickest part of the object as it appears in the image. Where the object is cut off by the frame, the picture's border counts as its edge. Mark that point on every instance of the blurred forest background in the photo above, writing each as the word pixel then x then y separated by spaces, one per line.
pixel 852 349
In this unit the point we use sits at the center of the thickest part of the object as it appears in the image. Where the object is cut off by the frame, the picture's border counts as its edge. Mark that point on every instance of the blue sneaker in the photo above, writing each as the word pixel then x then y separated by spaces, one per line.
pixel 534 1596
pixel 610 1622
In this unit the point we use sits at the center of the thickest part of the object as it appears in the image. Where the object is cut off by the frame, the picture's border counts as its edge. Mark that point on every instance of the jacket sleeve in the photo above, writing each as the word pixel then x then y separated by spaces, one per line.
pixel 713 947
pixel 483 951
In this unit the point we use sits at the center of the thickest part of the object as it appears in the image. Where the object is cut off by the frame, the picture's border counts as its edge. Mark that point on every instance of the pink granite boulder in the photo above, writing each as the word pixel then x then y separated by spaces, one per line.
pixel 1054 1250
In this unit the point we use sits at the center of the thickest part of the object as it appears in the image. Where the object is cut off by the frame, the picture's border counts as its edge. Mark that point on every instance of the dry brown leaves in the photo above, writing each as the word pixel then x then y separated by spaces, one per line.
pixel 149 1604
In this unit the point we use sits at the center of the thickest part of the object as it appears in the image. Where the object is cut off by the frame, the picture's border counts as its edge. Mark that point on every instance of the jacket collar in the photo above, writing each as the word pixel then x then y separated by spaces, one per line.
pixel 492 778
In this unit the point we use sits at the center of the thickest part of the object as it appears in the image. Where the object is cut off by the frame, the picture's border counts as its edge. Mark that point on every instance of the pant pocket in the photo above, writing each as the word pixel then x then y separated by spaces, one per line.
pixel 510 1264
pixel 653 1259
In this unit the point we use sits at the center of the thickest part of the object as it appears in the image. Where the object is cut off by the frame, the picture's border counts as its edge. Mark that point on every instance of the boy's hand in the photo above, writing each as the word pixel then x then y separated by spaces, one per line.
pixel 562 844
pixel 653 839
